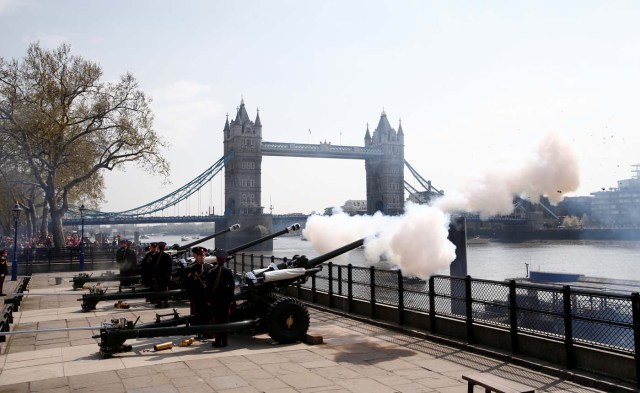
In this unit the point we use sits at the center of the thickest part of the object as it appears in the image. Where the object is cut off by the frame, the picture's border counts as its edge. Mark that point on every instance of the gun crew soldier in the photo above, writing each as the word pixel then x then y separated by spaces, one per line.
pixel 126 259
pixel 197 288
pixel 220 286
pixel 162 273
pixel 146 265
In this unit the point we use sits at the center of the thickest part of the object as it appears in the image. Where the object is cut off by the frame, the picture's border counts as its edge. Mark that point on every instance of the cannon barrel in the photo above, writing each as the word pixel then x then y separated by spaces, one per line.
pixel 288 229
pixel 308 265
pixel 232 228
pixel 311 263
pixel 149 332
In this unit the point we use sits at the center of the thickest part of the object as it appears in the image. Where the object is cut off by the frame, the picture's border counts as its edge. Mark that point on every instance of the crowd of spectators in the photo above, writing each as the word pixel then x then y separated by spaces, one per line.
pixel 71 240
pixel 27 243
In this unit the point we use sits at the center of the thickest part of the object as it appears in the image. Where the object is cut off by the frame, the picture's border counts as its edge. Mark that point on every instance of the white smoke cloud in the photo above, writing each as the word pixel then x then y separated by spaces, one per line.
pixel 417 242
pixel 552 172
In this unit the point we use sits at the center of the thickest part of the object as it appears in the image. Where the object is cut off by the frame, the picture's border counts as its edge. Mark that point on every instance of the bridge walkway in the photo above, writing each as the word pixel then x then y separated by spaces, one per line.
pixel 355 357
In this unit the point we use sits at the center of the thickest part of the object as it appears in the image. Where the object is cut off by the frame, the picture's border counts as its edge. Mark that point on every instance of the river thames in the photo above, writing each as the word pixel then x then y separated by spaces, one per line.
pixel 499 261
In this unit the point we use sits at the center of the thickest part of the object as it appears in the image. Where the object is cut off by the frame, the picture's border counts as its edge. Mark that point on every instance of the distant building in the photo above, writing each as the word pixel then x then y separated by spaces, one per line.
pixel 618 207
pixel 612 207
pixel 578 206
pixel 355 207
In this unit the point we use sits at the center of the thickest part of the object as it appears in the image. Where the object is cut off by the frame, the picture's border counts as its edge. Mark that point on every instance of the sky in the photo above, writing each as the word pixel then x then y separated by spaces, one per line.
pixel 477 85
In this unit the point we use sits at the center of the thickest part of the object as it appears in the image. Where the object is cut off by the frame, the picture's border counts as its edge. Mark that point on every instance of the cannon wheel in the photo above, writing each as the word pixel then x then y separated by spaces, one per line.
pixel 287 321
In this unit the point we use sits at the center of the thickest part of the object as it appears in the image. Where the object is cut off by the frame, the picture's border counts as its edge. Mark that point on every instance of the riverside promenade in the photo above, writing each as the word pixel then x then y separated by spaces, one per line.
pixel 355 356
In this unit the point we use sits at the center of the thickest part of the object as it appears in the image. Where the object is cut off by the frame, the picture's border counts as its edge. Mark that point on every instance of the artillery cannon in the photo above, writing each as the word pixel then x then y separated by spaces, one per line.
pixel 257 307
pixel 89 301
pixel 285 319
pixel 82 278
pixel 179 271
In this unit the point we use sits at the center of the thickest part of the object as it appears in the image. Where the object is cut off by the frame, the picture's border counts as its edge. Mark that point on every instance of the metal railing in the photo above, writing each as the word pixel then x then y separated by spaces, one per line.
pixel 595 319
pixel 45 259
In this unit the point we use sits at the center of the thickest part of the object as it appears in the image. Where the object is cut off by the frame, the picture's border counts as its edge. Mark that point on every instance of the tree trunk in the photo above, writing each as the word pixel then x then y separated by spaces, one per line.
pixel 44 225
pixel 56 228
pixel 29 222
pixel 33 222
pixel 56 216
pixel 32 215
pixel 30 219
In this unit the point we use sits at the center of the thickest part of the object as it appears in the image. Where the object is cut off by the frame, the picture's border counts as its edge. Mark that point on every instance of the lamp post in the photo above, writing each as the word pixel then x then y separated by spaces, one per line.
pixel 14 263
pixel 82 209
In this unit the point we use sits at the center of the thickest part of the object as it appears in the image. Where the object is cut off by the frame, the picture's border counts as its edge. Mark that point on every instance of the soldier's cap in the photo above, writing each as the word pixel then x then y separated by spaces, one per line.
pixel 198 250
pixel 162 244
pixel 221 254
pixel 153 244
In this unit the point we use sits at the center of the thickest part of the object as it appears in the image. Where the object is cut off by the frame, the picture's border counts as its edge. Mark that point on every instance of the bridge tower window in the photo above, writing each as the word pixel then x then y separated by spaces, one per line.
pixel 248 182
pixel 248 165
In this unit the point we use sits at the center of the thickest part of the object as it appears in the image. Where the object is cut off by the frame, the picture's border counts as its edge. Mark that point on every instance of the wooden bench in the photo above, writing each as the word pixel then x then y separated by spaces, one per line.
pixel 492 383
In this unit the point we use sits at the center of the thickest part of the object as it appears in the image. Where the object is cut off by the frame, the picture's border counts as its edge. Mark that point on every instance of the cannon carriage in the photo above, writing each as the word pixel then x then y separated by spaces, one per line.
pixel 180 271
pixel 260 306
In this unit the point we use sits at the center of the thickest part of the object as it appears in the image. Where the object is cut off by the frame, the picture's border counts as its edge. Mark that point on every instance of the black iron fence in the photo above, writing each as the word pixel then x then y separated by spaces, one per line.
pixel 591 318
pixel 63 259
pixel 594 319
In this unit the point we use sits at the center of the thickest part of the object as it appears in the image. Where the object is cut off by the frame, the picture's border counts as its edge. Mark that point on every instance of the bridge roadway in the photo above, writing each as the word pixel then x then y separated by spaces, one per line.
pixel 279 220
pixel 323 150
pixel 355 357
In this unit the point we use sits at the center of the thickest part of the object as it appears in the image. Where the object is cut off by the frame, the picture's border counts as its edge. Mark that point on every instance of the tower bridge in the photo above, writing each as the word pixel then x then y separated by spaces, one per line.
pixel 382 152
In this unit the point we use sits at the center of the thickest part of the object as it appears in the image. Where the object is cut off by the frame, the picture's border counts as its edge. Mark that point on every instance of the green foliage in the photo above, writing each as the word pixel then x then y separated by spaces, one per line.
pixel 63 126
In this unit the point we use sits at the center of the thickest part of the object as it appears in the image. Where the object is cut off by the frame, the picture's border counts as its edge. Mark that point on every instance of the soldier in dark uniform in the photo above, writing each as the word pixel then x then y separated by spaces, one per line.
pixel 131 260
pixel 126 259
pixel 4 269
pixel 146 265
pixel 120 254
pixel 197 288
pixel 220 286
pixel 162 273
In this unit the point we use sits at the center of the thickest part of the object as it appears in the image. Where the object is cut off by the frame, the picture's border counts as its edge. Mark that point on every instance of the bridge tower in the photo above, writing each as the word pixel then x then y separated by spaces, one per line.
pixel 242 189
pixel 385 174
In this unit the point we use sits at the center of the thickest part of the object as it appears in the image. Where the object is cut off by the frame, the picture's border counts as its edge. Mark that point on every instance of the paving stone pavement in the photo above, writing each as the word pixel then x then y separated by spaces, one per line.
pixel 355 357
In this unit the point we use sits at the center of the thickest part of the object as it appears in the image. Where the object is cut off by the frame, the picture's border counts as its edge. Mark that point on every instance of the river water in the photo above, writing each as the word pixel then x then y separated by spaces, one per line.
pixel 499 261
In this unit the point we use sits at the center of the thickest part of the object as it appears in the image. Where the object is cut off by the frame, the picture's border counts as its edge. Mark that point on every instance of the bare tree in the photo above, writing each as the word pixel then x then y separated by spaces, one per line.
pixel 66 126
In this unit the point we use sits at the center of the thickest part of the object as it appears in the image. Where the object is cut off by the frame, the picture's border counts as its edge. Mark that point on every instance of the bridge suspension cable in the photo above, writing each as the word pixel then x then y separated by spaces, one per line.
pixel 173 198
pixel 429 190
